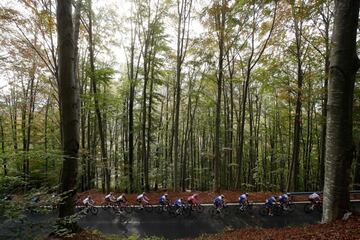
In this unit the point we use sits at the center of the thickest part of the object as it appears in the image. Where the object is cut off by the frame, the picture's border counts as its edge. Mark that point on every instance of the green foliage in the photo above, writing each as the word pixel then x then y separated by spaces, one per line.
pixel 10 184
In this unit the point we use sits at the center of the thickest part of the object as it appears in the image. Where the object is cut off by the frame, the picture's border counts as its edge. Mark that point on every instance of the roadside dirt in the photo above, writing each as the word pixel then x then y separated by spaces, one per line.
pixel 338 230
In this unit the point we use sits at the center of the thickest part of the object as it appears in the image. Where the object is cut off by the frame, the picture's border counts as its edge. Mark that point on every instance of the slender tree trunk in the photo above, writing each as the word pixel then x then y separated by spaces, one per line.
pixel 104 159
pixel 46 120
pixel 294 177
pixel 3 147
pixel 69 107
pixel 357 167
pixel 221 18
pixel 344 64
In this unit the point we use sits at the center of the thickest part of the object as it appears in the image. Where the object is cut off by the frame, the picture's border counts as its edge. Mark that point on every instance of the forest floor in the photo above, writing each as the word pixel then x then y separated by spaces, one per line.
pixel 204 197
pixel 337 230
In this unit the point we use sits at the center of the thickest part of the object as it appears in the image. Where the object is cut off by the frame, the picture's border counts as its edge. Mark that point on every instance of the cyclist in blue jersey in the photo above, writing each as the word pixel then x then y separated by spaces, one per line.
pixel 270 202
pixel 163 199
pixel 178 205
pixel 243 200
pixel 284 200
pixel 219 202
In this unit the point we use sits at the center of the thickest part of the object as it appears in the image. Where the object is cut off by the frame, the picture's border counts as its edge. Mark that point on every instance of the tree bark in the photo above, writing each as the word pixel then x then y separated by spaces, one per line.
pixel 3 147
pixel 220 20
pixel 99 117
pixel 344 64
pixel 69 106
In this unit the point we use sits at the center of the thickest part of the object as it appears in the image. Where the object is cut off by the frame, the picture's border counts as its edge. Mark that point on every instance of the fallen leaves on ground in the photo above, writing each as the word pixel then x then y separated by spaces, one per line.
pixel 337 230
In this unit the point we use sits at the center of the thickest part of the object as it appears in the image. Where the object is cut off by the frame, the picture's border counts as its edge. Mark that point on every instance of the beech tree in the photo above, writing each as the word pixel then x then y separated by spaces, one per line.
pixel 69 106
pixel 344 64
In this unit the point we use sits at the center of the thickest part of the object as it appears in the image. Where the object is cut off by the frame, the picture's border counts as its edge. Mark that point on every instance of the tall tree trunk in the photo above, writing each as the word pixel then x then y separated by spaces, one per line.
pixel 326 17
pixel 3 147
pixel 183 11
pixel 344 64
pixel 220 20
pixel 104 159
pixel 357 168
pixel 69 107
pixel 293 180
pixel 131 116
pixel 46 120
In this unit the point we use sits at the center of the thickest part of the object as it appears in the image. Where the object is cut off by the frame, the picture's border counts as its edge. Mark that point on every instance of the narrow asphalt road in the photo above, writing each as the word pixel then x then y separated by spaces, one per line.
pixel 171 227
pixel 163 225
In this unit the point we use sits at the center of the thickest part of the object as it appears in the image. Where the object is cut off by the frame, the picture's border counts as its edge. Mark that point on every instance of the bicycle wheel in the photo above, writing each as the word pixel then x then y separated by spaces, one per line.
pixel 291 207
pixel 186 211
pixel 104 206
pixel 159 209
pixel 94 210
pixel 148 208
pixel 240 210
pixel 213 211
pixel 171 210
pixel 199 208
pixel 263 211
pixel 138 208
pixel 127 209
pixel 226 210
pixel 307 208
pixel 278 210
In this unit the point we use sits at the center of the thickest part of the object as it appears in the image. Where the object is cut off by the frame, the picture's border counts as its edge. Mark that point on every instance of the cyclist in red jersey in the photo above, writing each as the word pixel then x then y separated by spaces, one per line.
pixel 193 199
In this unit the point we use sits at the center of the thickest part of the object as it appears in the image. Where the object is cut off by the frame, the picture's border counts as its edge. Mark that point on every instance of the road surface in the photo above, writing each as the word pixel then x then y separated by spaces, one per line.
pixel 163 225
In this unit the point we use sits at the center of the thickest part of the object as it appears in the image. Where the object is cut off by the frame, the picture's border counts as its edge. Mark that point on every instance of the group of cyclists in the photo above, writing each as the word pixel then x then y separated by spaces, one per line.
pixel 218 201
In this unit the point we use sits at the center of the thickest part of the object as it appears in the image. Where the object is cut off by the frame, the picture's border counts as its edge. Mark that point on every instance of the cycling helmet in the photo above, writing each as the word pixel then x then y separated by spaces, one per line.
pixel 143 193
pixel 288 193
pixel 222 195
pixel 111 193
pixel 165 194
pixel 196 195
pixel 246 194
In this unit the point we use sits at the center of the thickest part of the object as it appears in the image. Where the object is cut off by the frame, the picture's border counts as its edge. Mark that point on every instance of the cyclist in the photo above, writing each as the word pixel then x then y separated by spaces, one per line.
pixel 193 199
pixel 284 201
pixel 314 198
pixel 110 198
pixel 178 205
pixel 243 200
pixel 163 199
pixel 219 202
pixel 142 198
pixel 88 201
pixel 121 199
pixel 270 202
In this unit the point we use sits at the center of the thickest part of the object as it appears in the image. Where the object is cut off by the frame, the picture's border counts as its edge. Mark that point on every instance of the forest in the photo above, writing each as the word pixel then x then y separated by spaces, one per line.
pixel 133 95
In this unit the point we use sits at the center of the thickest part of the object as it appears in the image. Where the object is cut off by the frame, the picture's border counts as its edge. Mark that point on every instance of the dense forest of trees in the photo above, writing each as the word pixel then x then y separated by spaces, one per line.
pixel 206 95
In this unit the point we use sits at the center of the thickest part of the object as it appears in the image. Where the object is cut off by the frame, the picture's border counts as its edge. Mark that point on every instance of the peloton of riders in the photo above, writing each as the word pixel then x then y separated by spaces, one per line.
pixel 218 202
